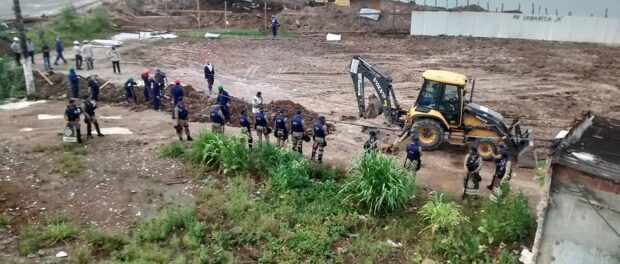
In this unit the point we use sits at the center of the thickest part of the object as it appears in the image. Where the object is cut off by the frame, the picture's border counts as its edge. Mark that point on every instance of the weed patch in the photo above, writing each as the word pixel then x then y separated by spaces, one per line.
pixel 441 215
pixel 378 184
pixel 171 150
pixel 507 220
pixel 53 232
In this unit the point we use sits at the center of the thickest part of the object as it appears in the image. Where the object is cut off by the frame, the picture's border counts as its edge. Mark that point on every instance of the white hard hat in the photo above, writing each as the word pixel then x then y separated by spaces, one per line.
pixel 15 39
pixel 76 42
pixel 85 41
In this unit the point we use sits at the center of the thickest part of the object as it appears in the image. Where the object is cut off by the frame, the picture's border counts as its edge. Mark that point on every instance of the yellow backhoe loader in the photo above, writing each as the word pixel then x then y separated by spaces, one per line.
pixel 442 113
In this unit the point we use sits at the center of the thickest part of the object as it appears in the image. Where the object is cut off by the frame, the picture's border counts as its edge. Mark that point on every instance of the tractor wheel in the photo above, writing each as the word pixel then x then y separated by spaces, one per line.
pixel 486 148
pixel 429 132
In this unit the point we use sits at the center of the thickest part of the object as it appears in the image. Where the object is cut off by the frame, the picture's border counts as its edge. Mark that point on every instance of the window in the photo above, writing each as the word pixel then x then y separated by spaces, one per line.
pixel 429 94
pixel 449 101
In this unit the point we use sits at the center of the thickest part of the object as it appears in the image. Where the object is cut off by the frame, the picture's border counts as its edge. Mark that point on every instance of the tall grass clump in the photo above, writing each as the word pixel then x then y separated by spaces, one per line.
pixel 219 152
pixel 507 220
pixel 377 183
pixel 54 231
pixel 440 214
pixel 11 80
pixel 171 150
pixel 158 229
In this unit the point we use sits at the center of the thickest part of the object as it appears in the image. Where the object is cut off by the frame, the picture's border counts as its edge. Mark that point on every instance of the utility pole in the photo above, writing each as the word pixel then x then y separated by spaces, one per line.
pixel 606 10
pixel 502 7
pixel 22 41
pixel 225 14
pixel 533 8
pixel 265 15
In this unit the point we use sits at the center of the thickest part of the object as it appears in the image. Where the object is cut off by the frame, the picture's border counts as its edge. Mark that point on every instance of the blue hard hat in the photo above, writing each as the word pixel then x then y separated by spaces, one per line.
pixel 414 138
pixel 501 146
pixel 298 112
pixel 372 133
pixel 473 149
pixel 505 154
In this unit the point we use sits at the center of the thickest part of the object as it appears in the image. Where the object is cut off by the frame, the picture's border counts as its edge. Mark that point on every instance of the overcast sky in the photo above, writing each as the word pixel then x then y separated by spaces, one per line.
pixel 578 7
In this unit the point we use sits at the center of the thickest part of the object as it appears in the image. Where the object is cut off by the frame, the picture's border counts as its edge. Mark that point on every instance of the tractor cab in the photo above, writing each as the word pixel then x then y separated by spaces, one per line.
pixel 442 96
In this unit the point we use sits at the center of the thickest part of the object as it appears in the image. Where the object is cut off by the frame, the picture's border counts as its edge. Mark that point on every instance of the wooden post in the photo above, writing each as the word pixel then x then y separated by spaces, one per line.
pixel 394 17
pixel 519 7
pixel 265 16
pixel 502 7
pixel 606 10
pixel 198 13
pixel 533 8
pixel 28 75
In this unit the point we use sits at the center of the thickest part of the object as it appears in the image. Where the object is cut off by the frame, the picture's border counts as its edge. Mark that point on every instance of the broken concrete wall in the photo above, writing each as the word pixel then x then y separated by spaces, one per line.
pixel 574 232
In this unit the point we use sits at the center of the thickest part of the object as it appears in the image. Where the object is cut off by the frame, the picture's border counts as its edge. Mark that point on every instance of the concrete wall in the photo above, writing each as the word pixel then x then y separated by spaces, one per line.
pixel 573 231
pixel 502 25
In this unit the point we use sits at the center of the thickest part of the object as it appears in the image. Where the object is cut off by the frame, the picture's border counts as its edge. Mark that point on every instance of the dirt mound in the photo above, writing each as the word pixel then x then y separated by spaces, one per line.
pixel 469 8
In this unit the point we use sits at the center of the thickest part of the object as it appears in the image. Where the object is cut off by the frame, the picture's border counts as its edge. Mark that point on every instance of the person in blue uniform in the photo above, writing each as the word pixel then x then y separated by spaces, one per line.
pixel 280 128
pixel 297 129
pixel 261 125
pixel 319 137
pixel 414 155
pixel 217 119
pixel 244 122
pixel 182 121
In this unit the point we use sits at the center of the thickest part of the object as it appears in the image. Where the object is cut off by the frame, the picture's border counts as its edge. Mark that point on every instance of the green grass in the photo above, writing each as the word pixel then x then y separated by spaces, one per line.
pixel 441 214
pixel 234 32
pixel 4 220
pixel 378 184
pixel 171 150
pixel 71 26
pixel 105 242
pixel 11 80
pixel 72 159
pixel 51 233
pixel 507 220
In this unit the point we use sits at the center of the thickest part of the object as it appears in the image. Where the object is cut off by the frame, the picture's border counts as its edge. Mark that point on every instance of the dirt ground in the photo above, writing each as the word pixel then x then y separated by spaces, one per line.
pixel 545 83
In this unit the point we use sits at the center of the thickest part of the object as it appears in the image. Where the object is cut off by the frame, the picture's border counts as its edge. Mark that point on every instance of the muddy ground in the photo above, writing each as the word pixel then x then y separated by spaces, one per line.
pixel 545 83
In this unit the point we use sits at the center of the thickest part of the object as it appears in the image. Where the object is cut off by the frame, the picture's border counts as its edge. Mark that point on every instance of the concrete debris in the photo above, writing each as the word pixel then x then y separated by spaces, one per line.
pixel 116 131
pixel 526 256
pixel 107 42
pixel 333 37
pixel 48 117
pixel 394 244
pixel 370 13
pixel 26 129
pixel 212 35
pixel 19 104
pixel 61 254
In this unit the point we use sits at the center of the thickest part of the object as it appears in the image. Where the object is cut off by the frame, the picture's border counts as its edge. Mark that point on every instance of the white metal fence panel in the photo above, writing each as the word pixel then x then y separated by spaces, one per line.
pixel 503 25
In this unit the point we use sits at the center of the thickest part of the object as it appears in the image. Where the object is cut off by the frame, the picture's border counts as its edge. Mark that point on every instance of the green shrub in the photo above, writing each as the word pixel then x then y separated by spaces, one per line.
pixel 440 214
pixel 292 175
pixel 507 220
pixel 54 231
pixel 173 220
pixel 12 82
pixel 458 245
pixel 378 183
pixel 105 242
pixel 171 150
pixel 218 151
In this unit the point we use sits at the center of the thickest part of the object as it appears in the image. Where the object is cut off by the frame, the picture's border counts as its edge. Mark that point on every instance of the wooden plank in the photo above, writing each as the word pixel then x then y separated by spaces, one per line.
pixel 45 77
pixel 106 83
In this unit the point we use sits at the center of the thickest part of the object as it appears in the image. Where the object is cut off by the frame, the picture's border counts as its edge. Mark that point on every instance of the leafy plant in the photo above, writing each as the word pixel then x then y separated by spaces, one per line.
pixel 292 175
pixel 173 220
pixel 171 150
pixel 440 214
pixel 378 183
pixel 459 245
pixel 219 151
pixel 54 231
pixel 506 220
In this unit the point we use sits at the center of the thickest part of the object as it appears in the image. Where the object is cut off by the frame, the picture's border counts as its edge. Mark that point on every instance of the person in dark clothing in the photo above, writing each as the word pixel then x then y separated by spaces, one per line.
pixel 274 26
pixel 89 105
pixel 372 142
pixel 129 92
pixel 30 49
pixel 297 129
pixel 177 94
pixel 94 88
pixel 209 74
pixel 160 78
pixel 472 165
pixel 223 100
pixel 260 125
pixel 319 137
pixel 244 122
pixel 413 162
pixel 115 57
pixel 280 129
pixel 72 115
pixel 217 118
pixel 147 85
pixel 59 50
pixel 502 168
pixel 155 94
pixel 74 80
pixel 182 121
pixel 45 50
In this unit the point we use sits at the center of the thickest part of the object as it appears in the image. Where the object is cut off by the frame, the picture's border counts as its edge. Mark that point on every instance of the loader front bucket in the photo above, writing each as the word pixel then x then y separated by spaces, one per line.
pixel 374 107
pixel 526 157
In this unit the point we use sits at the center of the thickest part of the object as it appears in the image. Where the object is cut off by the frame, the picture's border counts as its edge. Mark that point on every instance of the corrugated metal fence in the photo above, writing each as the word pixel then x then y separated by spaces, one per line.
pixel 503 25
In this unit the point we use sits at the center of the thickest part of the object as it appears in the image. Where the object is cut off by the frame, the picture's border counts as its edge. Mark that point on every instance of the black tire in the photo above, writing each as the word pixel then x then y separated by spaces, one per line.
pixel 486 148
pixel 430 133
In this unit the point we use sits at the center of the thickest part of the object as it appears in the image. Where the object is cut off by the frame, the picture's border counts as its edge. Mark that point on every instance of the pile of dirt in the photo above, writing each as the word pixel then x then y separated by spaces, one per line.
pixel 468 8
pixel 198 103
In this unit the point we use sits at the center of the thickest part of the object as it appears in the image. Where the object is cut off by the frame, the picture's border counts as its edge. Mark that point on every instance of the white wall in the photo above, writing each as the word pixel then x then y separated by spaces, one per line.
pixel 503 25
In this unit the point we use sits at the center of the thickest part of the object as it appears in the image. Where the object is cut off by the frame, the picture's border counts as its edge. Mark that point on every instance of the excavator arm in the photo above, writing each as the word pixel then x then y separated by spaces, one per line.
pixel 384 101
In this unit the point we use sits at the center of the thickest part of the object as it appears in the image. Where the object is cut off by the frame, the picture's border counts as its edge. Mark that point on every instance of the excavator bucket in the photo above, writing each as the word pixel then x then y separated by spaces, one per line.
pixel 526 157
pixel 374 107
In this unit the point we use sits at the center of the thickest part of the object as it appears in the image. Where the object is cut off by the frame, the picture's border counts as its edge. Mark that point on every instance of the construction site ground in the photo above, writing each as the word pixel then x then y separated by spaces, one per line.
pixel 544 83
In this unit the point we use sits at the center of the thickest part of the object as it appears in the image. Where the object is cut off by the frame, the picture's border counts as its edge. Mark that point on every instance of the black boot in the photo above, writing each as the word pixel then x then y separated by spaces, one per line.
pixel 320 159
pixel 313 154
pixel 98 130
pixel 189 138
pixel 89 130
pixel 79 135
